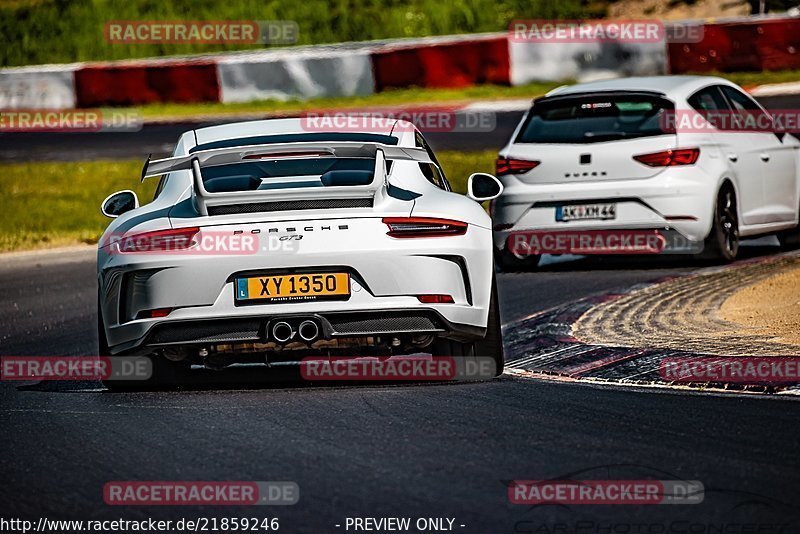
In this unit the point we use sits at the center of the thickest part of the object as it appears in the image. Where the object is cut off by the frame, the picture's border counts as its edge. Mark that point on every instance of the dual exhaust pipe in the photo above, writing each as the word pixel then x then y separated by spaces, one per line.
pixel 283 331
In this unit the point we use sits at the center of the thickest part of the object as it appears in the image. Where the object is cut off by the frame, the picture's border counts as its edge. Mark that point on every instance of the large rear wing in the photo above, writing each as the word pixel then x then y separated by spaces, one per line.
pixel 203 199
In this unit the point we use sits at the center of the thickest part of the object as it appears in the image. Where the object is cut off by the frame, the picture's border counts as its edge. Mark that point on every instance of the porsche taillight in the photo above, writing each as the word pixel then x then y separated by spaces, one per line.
pixel 423 227
pixel 158 240
pixel 513 166
pixel 669 158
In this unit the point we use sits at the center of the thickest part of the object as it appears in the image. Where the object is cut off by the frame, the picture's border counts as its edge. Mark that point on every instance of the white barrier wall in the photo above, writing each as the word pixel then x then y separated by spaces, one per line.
pixel 39 87
pixel 531 62
pixel 282 75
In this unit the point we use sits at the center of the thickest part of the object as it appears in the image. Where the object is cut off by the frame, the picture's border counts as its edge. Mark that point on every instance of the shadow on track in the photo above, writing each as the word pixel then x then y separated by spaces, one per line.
pixel 249 377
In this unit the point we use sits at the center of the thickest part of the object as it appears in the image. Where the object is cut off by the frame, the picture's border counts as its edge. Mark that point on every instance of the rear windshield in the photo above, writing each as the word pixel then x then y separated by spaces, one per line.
pixel 595 118
pixel 288 173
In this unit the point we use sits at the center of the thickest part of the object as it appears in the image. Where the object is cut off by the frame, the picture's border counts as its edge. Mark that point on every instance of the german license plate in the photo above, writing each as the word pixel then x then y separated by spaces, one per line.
pixel 293 287
pixel 583 212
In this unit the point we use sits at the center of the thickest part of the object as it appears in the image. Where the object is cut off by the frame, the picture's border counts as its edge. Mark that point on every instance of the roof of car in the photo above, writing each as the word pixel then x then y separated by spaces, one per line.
pixel 671 86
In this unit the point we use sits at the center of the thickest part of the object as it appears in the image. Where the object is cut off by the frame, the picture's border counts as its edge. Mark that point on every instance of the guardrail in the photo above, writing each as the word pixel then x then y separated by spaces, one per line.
pixel 752 43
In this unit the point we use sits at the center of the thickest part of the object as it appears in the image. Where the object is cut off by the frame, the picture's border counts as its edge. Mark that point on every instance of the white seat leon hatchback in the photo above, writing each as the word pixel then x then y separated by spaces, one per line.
pixel 692 160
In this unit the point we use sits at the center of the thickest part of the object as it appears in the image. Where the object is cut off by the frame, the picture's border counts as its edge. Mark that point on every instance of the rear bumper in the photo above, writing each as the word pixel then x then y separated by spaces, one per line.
pixel 255 328
pixel 605 241
pixel 386 275
pixel 679 205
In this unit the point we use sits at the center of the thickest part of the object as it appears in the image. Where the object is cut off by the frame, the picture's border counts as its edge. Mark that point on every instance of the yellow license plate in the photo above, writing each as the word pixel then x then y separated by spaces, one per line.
pixel 294 287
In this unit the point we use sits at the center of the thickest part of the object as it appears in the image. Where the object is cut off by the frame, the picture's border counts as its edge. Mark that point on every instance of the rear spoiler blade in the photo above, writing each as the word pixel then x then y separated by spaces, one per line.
pixel 224 156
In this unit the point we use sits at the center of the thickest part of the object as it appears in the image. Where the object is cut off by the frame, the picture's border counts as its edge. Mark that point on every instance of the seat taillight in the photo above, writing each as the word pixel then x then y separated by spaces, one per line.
pixel 669 158
pixel 513 166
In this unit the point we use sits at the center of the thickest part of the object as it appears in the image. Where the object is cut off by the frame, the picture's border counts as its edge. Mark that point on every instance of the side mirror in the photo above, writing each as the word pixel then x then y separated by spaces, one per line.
pixel 482 186
pixel 118 203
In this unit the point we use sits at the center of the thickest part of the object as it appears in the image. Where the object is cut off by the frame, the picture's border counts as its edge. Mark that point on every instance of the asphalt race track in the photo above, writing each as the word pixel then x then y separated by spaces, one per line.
pixel 398 450
pixel 412 450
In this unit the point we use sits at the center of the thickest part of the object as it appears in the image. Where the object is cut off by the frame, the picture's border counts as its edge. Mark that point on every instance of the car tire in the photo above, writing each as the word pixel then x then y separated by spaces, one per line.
pixel 790 239
pixel 490 346
pixel 722 243
pixel 102 342
pixel 165 374
pixel 492 343
pixel 509 263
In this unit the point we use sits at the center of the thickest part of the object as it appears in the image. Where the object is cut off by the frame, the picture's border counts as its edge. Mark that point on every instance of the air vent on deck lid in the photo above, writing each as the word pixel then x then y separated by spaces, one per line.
pixel 291 205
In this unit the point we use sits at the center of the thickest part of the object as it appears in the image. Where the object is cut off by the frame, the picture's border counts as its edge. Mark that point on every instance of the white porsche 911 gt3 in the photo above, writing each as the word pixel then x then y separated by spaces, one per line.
pixel 266 242
pixel 693 159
